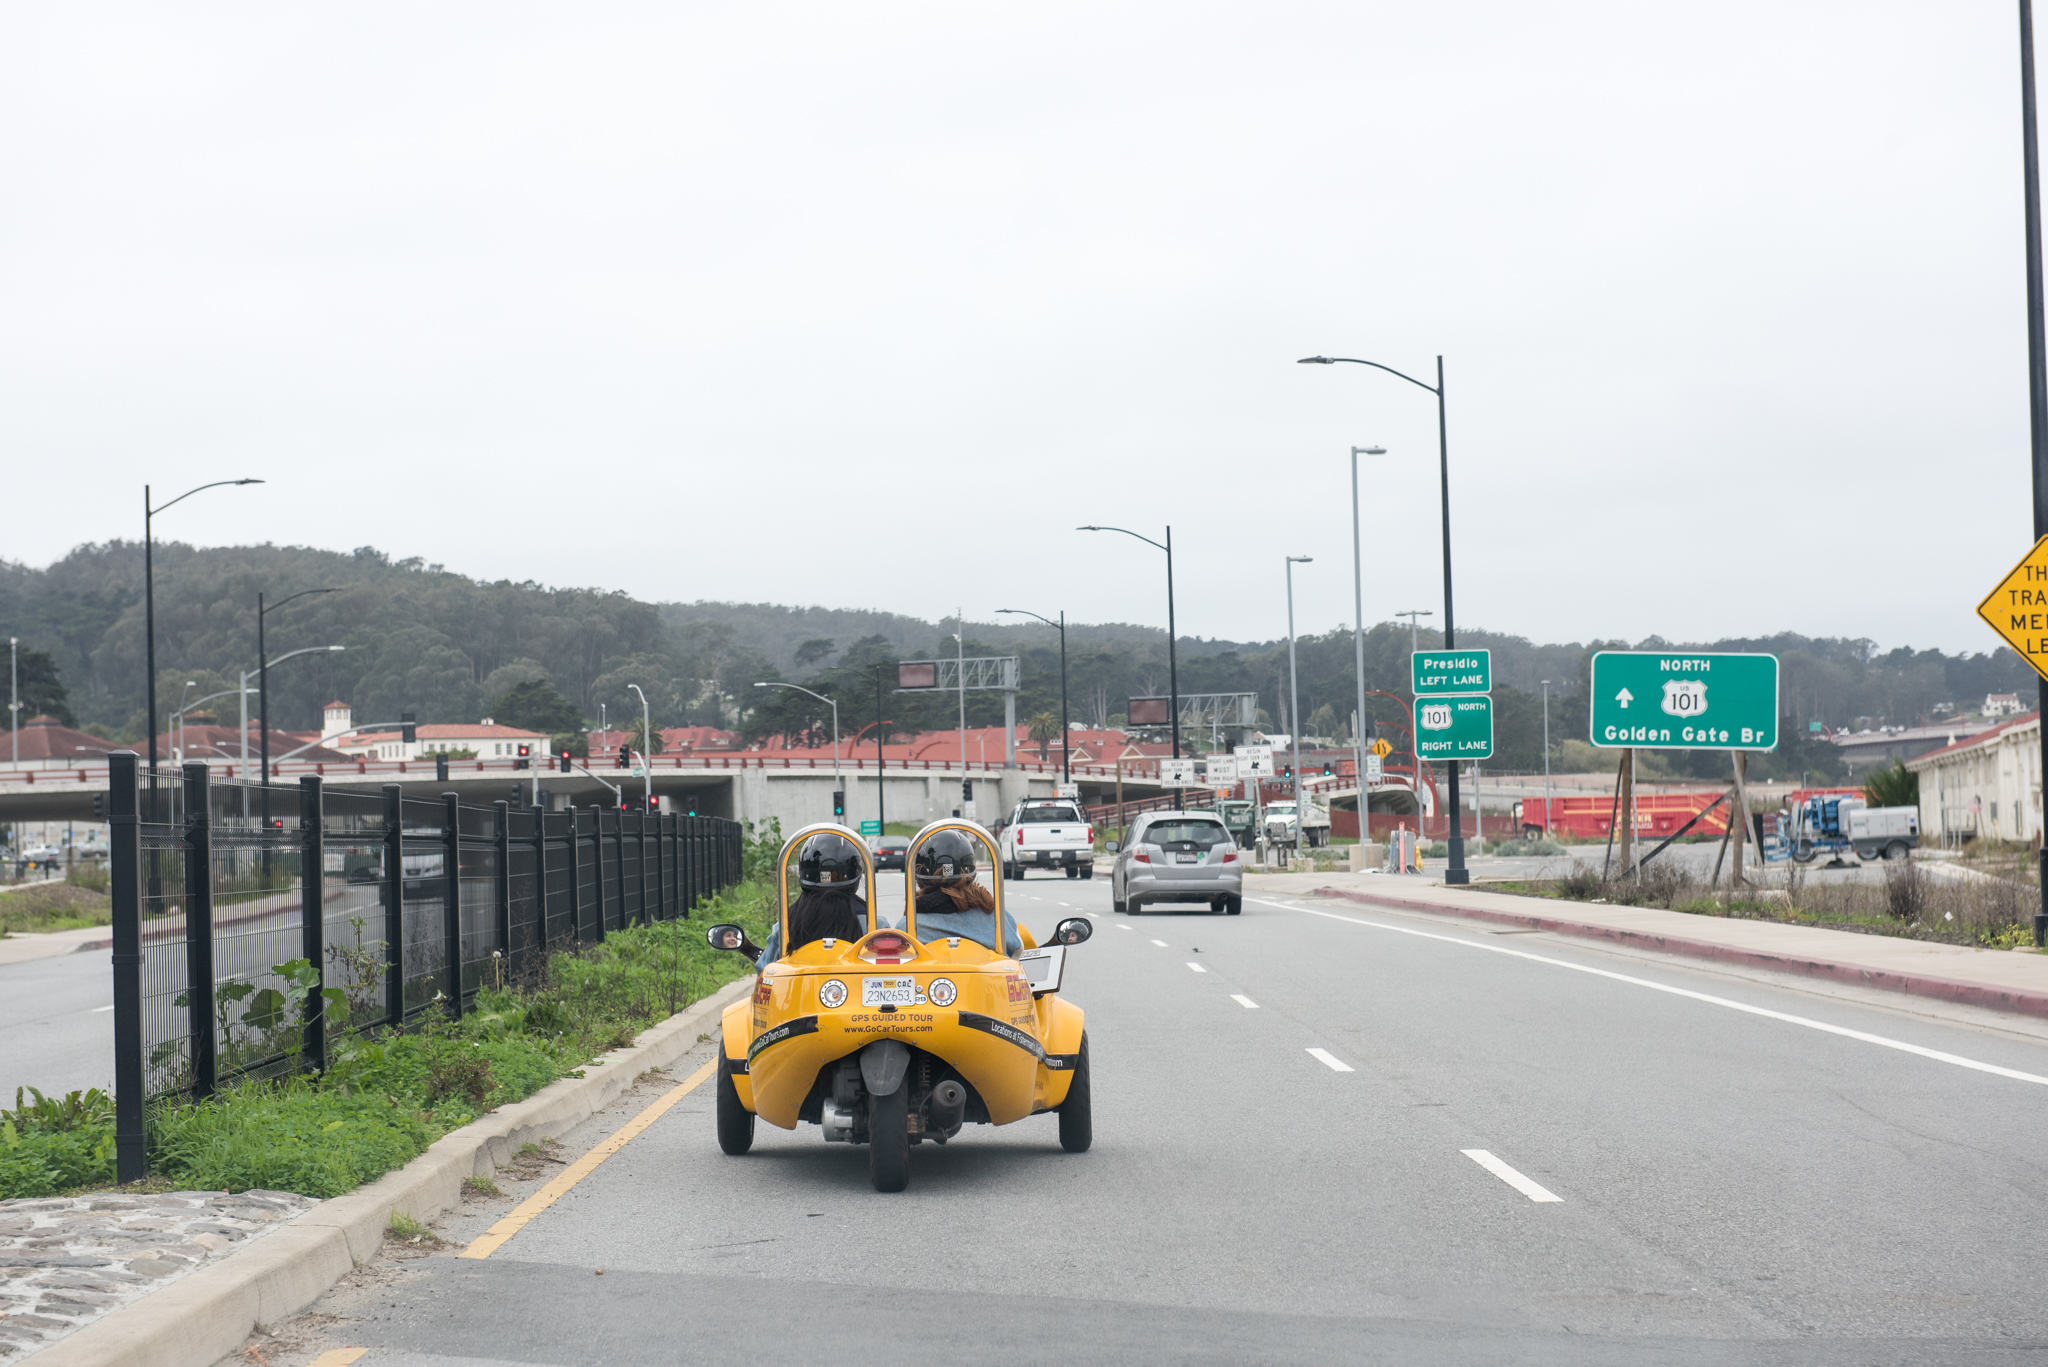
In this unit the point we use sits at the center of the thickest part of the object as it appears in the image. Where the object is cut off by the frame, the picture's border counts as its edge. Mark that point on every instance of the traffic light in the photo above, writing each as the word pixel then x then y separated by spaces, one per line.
pixel 99 806
pixel 525 758
pixel 274 823
pixel 566 767
pixel 838 804
pixel 407 731
pixel 967 790
pixel 441 766
pixel 1327 771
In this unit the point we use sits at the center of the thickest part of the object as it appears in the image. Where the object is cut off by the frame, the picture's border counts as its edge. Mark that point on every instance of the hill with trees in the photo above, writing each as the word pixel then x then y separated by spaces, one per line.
pixel 421 638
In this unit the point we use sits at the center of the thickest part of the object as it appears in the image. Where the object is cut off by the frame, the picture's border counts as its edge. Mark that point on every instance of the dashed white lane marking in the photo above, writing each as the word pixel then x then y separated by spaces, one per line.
pixel 1121 926
pixel 1160 943
pixel 1197 967
pixel 1510 1176
pixel 1246 1002
pixel 1865 1036
pixel 1093 915
pixel 1336 1064
pixel 97 1009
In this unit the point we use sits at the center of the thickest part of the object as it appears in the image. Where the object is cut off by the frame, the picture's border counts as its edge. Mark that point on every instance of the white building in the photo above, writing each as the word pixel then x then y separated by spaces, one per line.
pixel 2002 705
pixel 1987 785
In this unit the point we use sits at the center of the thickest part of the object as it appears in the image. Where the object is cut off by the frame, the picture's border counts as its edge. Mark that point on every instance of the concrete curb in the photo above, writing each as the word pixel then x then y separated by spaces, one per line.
pixel 1956 990
pixel 200 1319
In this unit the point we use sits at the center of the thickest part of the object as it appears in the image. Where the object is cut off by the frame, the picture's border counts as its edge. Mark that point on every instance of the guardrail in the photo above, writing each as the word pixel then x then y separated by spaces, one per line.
pixel 230 771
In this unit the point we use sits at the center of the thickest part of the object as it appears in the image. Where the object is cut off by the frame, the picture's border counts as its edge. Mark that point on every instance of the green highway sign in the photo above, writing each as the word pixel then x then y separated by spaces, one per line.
pixel 1677 700
pixel 1437 672
pixel 870 828
pixel 1455 726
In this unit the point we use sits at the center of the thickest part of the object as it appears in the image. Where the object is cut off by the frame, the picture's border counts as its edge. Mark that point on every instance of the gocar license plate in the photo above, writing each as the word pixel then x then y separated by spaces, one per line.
pixel 888 991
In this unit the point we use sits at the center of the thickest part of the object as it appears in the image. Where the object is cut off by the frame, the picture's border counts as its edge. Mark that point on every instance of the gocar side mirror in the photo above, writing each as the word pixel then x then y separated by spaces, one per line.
pixel 1072 931
pixel 1112 846
pixel 725 936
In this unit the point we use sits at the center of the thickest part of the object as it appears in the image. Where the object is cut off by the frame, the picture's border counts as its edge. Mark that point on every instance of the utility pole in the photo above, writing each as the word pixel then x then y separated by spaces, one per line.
pixel 1294 704
pixel 2037 364
pixel 1358 629
pixel 1546 758
pixel 14 697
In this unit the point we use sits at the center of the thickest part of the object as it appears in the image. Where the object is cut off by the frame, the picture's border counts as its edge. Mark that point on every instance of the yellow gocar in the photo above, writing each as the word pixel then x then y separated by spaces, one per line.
pixel 904 1035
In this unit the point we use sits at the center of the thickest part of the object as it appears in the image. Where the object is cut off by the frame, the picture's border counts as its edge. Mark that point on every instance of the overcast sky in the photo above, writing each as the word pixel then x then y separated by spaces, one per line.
pixel 869 306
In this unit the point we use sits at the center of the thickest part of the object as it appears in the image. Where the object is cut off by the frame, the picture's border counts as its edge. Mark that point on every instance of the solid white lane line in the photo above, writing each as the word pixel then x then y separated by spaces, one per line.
pixel 1246 1002
pixel 1865 1036
pixel 1197 967
pixel 1336 1064
pixel 1510 1176
pixel 1160 943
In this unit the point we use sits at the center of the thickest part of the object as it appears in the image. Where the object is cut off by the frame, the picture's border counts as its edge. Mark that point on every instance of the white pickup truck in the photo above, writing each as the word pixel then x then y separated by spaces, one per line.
pixel 1281 829
pixel 1047 833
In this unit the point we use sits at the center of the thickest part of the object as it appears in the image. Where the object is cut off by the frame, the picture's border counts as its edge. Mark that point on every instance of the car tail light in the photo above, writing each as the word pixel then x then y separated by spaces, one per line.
pixel 1020 835
pixel 1141 857
pixel 1230 857
pixel 1091 835
pixel 888 947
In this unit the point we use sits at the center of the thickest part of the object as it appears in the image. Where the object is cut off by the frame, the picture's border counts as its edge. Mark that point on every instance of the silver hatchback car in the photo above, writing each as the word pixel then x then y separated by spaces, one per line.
pixel 1183 857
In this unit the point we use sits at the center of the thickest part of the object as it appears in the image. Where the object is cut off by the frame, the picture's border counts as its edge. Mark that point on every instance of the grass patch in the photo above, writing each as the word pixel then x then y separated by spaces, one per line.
pixel 479 1185
pixel 37 908
pixel 1910 903
pixel 384 1097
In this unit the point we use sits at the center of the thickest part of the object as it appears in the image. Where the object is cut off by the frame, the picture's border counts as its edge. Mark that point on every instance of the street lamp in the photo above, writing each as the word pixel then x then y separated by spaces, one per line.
pixel 1172 665
pixel 1294 701
pixel 1546 757
pixel 263 684
pixel 149 511
pixel 1358 627
pixel 1456 873
pixel 835 722
pixel 14 696
pixel 646 749
pixel 260 672
pixel 1066 741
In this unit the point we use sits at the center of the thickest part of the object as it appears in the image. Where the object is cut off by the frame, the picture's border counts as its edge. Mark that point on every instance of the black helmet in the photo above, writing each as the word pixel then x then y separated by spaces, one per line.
pixel 828 861
pixel 946 856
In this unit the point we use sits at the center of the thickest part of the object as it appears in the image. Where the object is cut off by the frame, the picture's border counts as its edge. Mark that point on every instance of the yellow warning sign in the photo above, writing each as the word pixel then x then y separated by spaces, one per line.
pixel 2018 608
pixel 1380 748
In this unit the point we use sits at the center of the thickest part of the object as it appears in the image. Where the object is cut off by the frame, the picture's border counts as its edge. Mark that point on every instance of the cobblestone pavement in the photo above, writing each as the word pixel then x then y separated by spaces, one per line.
pixel 66 1261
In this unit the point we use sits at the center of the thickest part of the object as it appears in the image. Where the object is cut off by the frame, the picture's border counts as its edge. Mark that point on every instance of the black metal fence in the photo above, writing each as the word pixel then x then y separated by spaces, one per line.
pixel 237 905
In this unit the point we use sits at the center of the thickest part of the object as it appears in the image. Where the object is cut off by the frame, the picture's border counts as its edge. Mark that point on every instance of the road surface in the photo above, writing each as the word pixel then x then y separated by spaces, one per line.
pixel 1323 1134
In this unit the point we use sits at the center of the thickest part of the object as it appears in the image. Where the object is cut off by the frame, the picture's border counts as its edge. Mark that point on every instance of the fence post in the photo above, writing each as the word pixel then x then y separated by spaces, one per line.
pixel 597 865
pixel 394 905
pixel 131 1153
pixel 640 839
pixel 540 878
pixel 199 928
pixel 661 869
pixel 312 909
pixel 575 876
pixel 501 812
pixel 451 899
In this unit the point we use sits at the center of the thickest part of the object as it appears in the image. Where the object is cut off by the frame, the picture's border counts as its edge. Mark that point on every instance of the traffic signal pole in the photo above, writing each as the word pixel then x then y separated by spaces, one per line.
pixel 2037 369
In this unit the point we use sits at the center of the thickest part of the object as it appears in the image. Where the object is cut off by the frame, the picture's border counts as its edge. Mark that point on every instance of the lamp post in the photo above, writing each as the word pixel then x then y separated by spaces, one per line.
pixel 2037 356
pixel 646 749
pixel 1358 624
pixel 835 721
pixel 1546 757
pixel 1172 664
pixel 1294 702
pixel 881 782
pixel 149 512
pixel 14 696
pixel 1455 873
pixel 263 682
pixel 1066 743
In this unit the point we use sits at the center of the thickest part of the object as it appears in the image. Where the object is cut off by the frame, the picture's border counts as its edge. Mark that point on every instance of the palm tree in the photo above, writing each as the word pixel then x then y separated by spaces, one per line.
pixel 1044 727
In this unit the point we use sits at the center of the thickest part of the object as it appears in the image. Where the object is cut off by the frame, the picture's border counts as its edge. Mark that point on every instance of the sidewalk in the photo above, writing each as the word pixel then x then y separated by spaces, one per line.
pixel 24 948
pixel 1999 980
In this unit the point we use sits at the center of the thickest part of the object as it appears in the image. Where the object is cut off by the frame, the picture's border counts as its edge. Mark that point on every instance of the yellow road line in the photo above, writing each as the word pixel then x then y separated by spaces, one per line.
pixel 494 1238
pixel 337 1357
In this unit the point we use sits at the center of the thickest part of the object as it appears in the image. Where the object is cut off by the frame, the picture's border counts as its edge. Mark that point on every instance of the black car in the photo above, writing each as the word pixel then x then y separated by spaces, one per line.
pixel 890 851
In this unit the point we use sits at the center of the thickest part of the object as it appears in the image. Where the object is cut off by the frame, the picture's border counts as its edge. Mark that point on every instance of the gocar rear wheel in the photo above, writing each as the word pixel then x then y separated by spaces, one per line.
pixel 889 1139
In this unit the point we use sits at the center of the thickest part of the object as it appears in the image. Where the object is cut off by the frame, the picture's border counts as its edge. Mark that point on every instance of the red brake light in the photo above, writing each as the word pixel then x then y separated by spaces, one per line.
pixel 888 943
pixel 1231 857
pixel 1141 857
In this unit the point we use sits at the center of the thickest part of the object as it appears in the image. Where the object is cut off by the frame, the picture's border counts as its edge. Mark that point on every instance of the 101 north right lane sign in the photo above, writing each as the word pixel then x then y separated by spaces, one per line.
pixel 1679 700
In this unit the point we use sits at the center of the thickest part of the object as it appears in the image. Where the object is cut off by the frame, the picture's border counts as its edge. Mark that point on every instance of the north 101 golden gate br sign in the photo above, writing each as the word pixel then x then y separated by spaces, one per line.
pixel 2018 608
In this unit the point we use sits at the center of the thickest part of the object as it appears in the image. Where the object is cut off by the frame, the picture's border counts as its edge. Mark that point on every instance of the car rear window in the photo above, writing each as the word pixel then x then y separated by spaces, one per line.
pixel 1197 834
pixel 1037 813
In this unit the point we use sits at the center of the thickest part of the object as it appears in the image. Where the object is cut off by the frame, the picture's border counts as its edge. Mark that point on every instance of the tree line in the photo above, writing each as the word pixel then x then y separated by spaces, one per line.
pixel 420 638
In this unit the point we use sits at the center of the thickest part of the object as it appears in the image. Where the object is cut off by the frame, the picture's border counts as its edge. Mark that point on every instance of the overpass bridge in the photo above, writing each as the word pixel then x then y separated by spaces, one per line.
pixel 743 787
